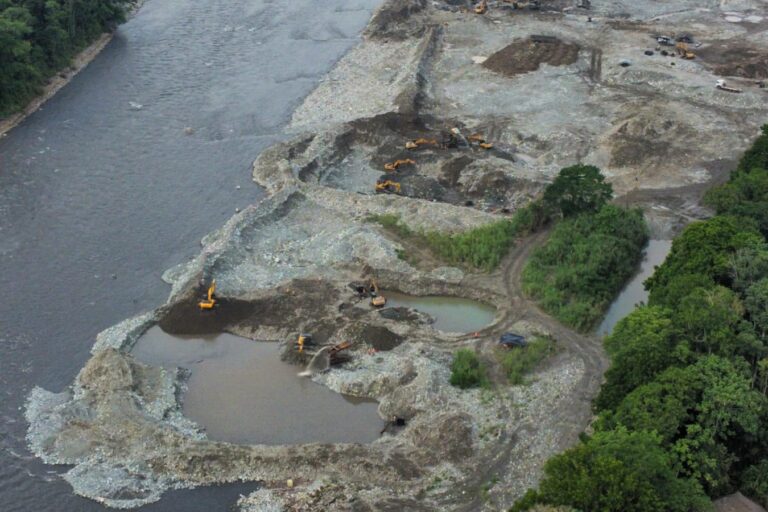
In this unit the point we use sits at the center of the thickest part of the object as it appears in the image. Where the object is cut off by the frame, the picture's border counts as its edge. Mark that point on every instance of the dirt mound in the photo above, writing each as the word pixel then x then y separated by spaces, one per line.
pixel 526 55
pixel 378 337
pixel 729 60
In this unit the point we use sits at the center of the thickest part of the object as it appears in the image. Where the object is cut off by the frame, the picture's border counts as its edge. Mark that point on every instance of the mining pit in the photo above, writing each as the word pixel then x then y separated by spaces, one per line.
pixel 239 391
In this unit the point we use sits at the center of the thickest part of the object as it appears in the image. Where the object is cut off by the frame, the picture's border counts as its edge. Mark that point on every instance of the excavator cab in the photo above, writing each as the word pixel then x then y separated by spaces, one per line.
pixel 210 301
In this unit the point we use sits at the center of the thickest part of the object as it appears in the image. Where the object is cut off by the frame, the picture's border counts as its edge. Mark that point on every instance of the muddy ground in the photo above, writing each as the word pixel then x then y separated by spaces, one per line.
pixel 543 88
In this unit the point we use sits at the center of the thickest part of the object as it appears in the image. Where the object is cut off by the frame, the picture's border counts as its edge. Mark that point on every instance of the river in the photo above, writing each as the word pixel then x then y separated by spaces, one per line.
pixel 104 188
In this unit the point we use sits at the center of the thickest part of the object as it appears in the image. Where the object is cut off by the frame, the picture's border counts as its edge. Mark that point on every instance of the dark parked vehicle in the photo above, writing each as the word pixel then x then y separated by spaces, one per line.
pixel 511 340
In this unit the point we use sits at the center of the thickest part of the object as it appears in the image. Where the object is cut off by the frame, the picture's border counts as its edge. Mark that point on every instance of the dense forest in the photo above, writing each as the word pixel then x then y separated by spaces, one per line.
pixel 683 412
pixel 39 37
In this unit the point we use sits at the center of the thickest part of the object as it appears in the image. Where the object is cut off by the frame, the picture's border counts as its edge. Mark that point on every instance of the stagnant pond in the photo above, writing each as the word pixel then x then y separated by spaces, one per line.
pixel 634 293
pixel 241 392
pixel 451 314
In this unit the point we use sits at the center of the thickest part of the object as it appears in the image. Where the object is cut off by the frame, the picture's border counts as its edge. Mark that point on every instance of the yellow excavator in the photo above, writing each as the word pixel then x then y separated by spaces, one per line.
pixel 393 166
pixel 303 340
pixel 478 137
pixel 377 299
pixel 210 301
pixel 684 52
pixel 482 7
pixel 415 144
pixel 387 186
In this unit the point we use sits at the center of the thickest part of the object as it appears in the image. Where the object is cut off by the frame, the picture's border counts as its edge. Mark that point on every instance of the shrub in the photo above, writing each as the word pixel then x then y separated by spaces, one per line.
pixel 467 371
pixel 585 262
pixel 519 361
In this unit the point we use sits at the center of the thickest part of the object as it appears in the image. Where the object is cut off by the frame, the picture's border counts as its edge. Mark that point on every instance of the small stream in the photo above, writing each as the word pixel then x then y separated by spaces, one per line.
pixel 241 392
pixel 634 293
pixel 451 314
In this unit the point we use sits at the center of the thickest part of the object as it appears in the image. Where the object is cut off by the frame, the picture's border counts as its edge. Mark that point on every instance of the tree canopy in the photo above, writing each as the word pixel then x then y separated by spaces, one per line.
pixel 577 189
pixel 39 37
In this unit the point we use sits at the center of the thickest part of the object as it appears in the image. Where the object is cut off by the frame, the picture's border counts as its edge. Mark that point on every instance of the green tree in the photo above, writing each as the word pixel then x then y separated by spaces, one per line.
pixel 616 471
pixel 641 346
pixel 703 249
pixel 708 319
pixel 756 303
pixel 706 414
pixel 576 189
pixel 747 266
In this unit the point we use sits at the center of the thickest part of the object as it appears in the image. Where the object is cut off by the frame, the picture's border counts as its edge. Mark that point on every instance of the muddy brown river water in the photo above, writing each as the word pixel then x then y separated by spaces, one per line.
pixel 240 391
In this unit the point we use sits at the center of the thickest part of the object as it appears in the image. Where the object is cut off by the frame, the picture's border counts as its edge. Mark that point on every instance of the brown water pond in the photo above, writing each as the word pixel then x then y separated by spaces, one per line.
pixel 241 392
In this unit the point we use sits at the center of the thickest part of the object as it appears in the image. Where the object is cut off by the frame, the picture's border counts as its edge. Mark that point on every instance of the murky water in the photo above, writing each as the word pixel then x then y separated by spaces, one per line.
pixel 451 314
pixel 634 293
pixel 98 199
pixel 241 392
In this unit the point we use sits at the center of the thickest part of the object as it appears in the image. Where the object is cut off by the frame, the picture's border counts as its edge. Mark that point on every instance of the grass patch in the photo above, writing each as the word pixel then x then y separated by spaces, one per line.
pixel 481 248
pixel 467 371
pixel 519 361
pixel 585 262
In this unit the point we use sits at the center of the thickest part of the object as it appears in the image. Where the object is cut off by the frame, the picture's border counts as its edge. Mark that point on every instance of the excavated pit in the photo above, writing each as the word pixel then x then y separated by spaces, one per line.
pixel 451 314
pixel 239 391
pixel 453 170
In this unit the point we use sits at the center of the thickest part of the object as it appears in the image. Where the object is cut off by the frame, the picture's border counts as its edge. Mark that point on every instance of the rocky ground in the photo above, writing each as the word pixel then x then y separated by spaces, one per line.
pixel 434 70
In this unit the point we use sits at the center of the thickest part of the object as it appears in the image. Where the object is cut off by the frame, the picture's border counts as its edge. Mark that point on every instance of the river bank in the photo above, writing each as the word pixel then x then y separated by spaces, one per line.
pixel 292 262
pixel 63 77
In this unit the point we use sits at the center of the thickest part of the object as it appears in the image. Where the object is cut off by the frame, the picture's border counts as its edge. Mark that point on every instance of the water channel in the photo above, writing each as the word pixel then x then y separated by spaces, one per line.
pixel 634 293
pixel 98 197
pixel 241 392
pixel 451 314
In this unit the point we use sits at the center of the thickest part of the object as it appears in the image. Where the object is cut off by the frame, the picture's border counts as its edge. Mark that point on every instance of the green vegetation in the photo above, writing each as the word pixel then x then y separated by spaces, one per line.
pixel 616 471
pixel 519 361
pixel 683 410
pixel 39 37
pixel 480 248
pixel 585 262
pixel 467 371
pixel 578 189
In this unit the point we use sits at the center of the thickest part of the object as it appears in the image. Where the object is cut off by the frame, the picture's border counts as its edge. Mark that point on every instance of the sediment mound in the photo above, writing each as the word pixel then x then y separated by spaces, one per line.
pixel 736 60
pixel 526 55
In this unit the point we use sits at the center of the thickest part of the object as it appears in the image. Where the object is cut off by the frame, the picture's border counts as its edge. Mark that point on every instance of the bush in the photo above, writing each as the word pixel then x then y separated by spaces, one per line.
pixel 754 482
pixel 585 262
pixel 467 371
pixel 519 361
